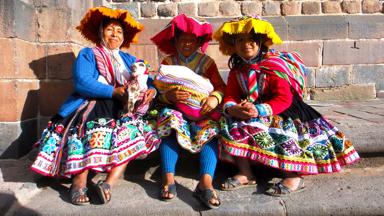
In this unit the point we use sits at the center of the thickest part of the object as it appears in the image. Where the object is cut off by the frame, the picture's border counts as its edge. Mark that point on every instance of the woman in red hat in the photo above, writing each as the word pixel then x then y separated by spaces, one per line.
pixel 89 132
pixel 185 40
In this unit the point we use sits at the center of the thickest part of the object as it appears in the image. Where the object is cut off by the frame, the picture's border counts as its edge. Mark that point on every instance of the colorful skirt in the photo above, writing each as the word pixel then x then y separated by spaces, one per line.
pixel 93 138
pixel 191 135
pixel 305 142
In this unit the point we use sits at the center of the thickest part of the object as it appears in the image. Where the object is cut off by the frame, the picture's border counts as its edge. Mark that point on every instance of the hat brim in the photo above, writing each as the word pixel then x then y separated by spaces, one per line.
pixel 90 24
pixel 164 39
pixel 229 29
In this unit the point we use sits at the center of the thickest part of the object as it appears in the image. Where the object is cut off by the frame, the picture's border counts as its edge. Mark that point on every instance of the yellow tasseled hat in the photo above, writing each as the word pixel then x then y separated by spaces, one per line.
pixel 90 24
pixel 244 24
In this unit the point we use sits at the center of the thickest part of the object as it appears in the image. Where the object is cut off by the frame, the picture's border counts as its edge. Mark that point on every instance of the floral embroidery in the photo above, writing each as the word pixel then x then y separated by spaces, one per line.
pixel 59 129
pixel 264 140
pixel 50 145
pixel 102 121
pixel 90 124
pixel 107 141
pixel 97 139
pixel 75 147
pixel 291 148
pixel 320 151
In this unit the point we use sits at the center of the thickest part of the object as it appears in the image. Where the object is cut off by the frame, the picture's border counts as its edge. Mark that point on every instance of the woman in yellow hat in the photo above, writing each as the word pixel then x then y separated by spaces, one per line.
pixel 89 132
pixel 267 120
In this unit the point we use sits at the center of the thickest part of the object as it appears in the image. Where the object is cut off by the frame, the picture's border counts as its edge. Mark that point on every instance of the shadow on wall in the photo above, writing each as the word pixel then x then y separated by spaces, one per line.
pixel 55 75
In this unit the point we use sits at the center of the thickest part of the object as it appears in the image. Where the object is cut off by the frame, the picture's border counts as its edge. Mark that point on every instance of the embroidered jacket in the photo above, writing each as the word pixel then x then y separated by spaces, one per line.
pixel 274 93
pixel 86 84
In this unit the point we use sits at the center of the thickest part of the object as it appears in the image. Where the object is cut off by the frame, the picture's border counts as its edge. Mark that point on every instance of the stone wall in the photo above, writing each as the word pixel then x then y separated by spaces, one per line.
pixel 341 43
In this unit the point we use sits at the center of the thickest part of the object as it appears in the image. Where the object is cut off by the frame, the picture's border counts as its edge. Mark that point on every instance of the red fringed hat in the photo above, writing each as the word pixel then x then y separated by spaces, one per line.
pixel 90 24
pixel 164 38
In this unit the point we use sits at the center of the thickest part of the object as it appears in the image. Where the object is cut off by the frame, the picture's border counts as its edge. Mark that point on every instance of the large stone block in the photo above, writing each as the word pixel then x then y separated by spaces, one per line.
pixel 189 9
pixel 332 76
pixel 251 8
pixel 310 51
pixel 369 74
pixel 344 93
pixel 151 27
pixel 353 52
pixel 229 8
pixel 60 59
pixel 132 7
pixel 220 59
pixel 167 10
pixel 52 94
pixel 317 27
pixel 290 8
pixel 7 66
pixel 280 25
pixel 18 100
pixel 372 6
pixel 24 58
pixel 271 8
pixel 17 138
pixel 331 7
pixel 311 7
pixel 368 26
pixel 208 9
pixel 148 9
pixel 311 77
pixel 54 24
pixel 18 62
pixel 147 52
pixel 18 19
pixel 351 6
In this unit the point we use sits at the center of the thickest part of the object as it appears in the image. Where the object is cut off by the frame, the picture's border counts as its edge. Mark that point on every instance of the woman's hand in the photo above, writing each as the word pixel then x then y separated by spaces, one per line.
pixel 208 104
pixel 148 97
pixel 244 111
pixel 176 95
pixel 120 93
pixel 251 108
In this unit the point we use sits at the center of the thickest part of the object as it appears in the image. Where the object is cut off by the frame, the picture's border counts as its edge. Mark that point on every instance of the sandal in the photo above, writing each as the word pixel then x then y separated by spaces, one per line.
pixel 206 195
pixel 280 189
pixel 232 183
pixel 170 189
pixel 103 189
pixel 75 194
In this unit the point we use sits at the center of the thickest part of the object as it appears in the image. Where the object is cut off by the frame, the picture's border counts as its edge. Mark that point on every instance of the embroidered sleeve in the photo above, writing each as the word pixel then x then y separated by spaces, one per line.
pixel 264 109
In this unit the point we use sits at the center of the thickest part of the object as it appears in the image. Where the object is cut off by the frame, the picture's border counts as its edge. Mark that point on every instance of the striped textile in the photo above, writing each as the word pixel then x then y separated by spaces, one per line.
pixel 287 65
pixel 109 66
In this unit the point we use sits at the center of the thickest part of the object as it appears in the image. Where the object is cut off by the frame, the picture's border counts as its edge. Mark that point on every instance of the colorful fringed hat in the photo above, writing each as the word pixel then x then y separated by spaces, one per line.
pixel 244 24
pixel 164 39
pixel 90 24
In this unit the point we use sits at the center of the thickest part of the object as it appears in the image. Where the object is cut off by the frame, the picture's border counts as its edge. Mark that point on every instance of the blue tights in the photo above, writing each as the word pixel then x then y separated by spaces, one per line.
pixel 170 149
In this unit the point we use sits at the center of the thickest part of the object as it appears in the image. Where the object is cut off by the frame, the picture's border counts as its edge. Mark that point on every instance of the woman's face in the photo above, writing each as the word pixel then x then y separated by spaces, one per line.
pixel 246 46
pixel 187 44
pixel 113 35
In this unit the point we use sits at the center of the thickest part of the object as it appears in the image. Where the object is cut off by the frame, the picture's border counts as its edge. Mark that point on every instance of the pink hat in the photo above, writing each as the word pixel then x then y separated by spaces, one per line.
pixel 164 38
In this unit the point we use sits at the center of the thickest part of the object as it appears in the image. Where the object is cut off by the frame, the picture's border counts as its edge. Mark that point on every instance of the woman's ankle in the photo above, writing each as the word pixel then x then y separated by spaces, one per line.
pixel 168 179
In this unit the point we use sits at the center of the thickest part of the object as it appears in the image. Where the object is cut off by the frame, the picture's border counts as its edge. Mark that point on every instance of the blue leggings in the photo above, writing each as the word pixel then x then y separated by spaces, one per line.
pixel 170 149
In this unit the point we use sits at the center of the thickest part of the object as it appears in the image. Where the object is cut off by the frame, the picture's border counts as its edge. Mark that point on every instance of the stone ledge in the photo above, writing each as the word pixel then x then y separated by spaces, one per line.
pixel 344 93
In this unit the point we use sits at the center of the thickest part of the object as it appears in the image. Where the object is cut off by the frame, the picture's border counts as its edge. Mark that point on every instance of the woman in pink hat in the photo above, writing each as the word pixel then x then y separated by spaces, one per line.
pixel 185 40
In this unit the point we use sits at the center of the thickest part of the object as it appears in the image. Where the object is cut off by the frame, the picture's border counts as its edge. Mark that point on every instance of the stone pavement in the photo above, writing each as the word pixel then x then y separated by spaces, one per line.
pixel 357 190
